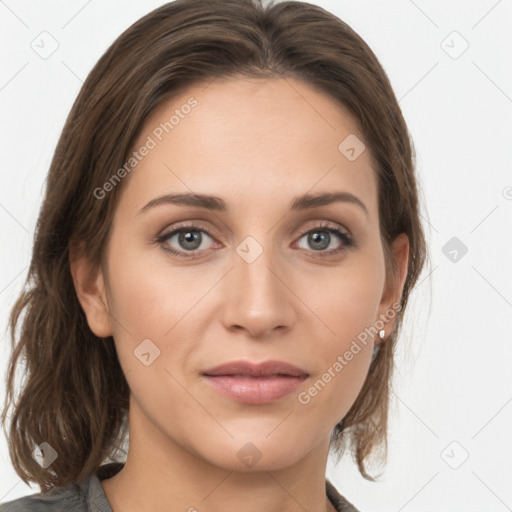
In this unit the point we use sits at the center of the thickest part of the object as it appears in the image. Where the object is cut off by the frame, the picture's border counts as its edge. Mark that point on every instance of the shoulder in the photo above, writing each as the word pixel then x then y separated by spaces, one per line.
pixel 63 499
pixel 83 496
pixel 341 504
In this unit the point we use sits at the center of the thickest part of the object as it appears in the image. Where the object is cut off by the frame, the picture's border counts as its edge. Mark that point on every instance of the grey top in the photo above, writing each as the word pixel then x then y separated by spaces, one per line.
pixel 88 496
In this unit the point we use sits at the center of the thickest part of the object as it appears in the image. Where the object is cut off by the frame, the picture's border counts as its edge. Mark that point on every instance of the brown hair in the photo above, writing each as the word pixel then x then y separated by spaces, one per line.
pixel 74 395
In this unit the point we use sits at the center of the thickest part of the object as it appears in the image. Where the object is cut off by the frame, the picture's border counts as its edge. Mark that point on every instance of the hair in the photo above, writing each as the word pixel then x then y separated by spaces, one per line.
pixel 74 394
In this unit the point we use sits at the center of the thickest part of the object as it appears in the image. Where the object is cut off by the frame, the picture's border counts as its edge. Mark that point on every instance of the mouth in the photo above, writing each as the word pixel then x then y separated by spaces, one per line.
pixel 254 390
pixel 264 369
pixel 255 383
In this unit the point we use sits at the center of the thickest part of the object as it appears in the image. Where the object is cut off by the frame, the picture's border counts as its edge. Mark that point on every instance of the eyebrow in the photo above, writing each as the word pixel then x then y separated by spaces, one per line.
pixel 213 203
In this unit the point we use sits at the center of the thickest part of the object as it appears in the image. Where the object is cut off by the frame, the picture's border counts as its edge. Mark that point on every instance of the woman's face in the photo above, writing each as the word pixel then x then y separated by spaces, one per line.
pixel 257 274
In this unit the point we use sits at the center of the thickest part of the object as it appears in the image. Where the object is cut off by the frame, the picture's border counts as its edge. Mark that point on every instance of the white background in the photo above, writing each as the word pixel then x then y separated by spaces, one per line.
pixel 453 377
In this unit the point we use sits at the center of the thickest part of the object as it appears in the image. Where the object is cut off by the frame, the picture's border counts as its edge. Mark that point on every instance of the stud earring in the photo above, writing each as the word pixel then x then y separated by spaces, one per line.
pixel 376 349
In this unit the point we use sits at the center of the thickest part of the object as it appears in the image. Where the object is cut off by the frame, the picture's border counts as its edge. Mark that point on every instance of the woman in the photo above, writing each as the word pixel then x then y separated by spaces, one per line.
pixel 222 262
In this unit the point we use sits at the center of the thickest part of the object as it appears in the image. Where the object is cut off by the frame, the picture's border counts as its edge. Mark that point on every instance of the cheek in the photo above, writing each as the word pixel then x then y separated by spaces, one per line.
pixel 342 365
pixel 145 298
pixel 346 304
pixel 345 300
pixel 146 302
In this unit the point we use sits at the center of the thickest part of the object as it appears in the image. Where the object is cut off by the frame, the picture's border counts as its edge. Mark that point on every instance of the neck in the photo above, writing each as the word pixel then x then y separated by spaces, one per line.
pixel 155 479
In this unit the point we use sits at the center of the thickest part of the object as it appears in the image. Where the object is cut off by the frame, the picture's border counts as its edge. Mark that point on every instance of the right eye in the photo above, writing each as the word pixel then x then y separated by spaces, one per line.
pixel 185 241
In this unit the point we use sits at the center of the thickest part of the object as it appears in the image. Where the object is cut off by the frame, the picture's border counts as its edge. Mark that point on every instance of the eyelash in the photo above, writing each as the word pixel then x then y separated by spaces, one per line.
pixel 347 240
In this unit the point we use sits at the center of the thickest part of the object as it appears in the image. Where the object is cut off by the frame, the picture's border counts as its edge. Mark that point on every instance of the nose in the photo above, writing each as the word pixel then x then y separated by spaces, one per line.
pixel 258 298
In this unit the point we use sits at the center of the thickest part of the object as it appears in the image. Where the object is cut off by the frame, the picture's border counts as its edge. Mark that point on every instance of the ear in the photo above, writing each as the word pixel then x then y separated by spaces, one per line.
pixel 394 284
pixel 90 289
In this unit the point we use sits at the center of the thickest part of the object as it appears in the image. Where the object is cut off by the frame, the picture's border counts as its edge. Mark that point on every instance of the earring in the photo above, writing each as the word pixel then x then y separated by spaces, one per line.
pixel 376 349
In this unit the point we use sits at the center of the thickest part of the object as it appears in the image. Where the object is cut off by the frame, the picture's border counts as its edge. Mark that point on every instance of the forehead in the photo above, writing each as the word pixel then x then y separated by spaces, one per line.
pixel 270 137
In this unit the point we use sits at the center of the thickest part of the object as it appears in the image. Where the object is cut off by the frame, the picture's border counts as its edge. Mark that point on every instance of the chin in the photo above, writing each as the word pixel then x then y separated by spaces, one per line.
pixel 254 456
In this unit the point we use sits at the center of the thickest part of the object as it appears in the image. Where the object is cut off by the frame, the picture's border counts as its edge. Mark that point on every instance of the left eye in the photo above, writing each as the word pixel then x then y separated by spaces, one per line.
pixel 321 239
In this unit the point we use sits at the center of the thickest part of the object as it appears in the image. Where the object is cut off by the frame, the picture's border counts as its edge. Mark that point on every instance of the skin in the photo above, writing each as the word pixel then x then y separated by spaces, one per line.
pixel 257 144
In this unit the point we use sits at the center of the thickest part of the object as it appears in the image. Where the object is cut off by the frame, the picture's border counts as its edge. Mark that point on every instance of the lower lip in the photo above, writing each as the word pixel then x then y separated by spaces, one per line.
pixel 250 390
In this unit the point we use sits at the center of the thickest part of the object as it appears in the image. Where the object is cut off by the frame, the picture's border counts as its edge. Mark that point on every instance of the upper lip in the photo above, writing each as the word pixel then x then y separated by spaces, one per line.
pixel 264 369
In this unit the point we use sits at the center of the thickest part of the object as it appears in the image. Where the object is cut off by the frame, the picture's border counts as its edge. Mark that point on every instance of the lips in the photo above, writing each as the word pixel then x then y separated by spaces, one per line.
pixel 264 369
pixel 255 384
